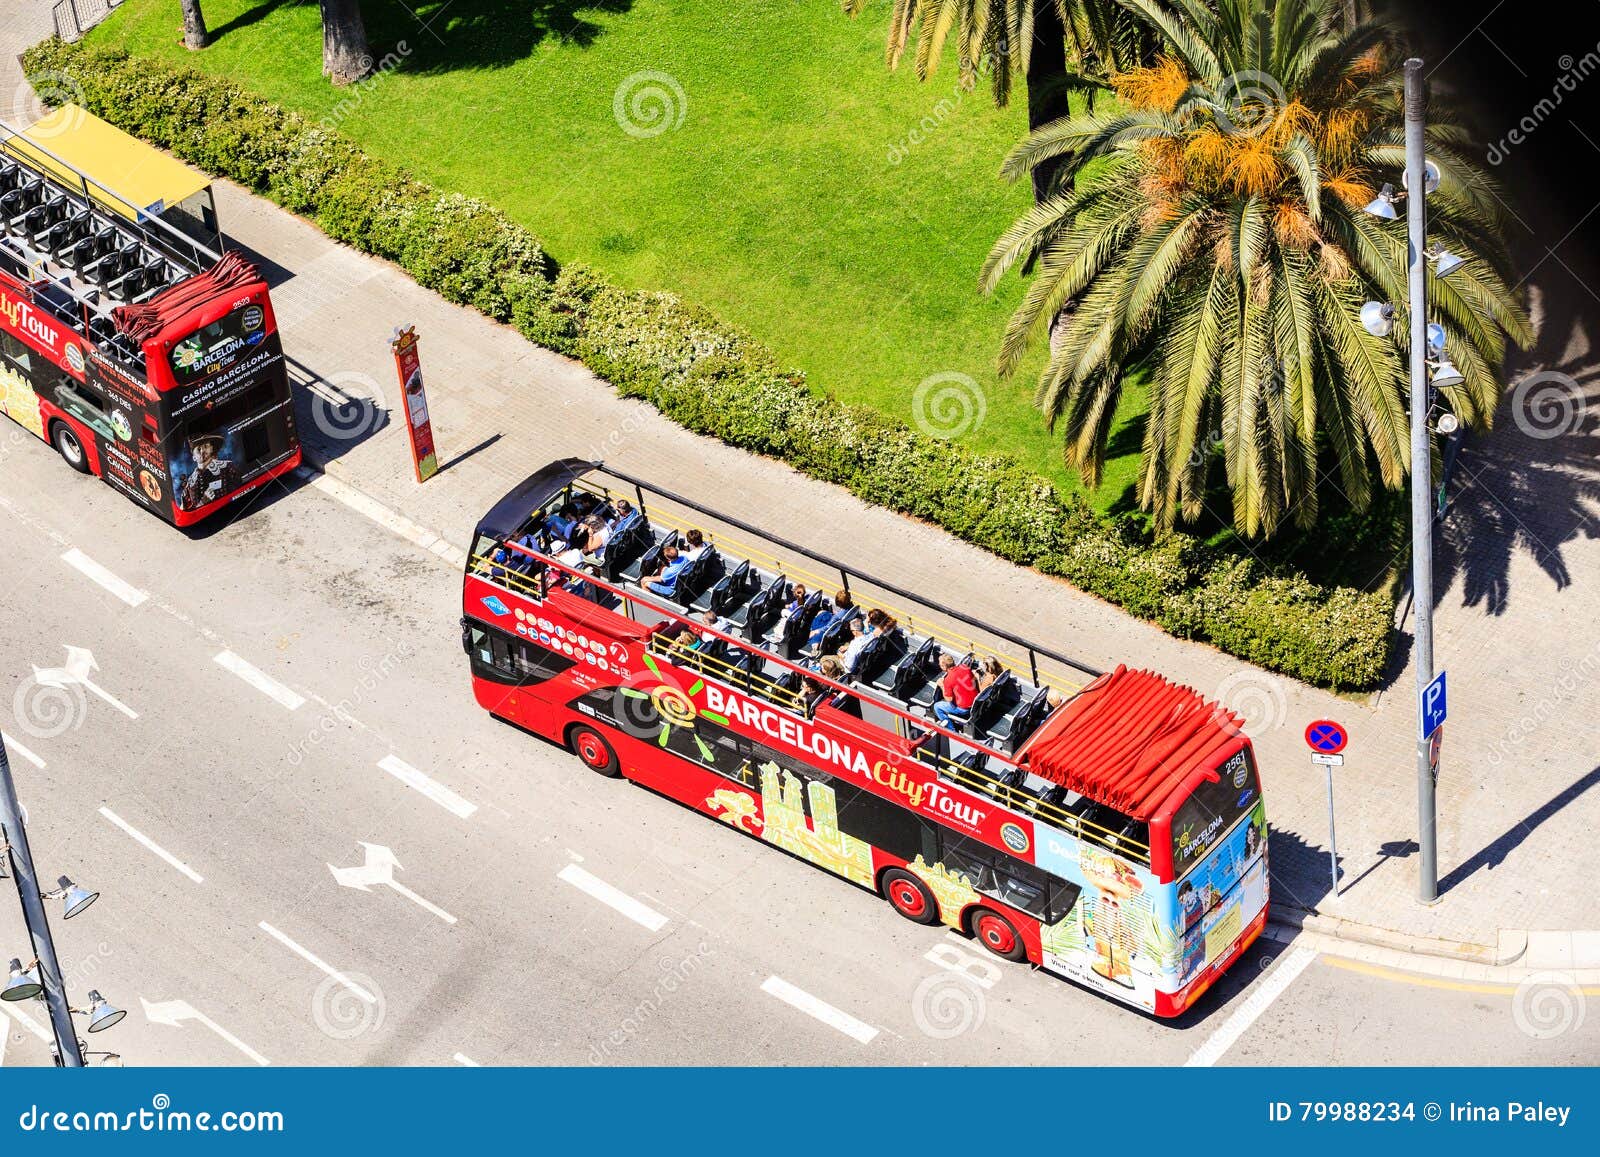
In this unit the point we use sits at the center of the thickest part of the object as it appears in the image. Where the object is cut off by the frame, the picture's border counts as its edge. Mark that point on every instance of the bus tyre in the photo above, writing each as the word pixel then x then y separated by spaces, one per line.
pixel 591 747
pixel 998 935
pixel 67 445
pixel 910 897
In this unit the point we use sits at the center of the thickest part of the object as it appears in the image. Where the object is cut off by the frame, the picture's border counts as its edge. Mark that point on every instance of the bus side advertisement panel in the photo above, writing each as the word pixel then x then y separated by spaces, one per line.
pixel 1118 938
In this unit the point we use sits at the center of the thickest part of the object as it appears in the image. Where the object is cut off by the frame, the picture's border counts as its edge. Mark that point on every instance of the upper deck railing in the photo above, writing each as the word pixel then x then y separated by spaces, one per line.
pixel 1009 788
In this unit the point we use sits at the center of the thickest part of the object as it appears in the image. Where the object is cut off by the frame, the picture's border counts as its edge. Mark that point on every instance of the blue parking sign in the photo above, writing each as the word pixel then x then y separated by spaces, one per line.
pixel 1433 706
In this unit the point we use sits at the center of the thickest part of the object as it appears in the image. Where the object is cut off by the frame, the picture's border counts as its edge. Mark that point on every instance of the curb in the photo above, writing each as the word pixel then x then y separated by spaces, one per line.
pixel 1297 920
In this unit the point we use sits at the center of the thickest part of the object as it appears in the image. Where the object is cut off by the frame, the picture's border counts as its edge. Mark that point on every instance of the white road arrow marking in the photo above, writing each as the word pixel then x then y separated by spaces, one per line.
pixel 80 663
pixel 466 1061
pixel 175 1012
pixel 379 871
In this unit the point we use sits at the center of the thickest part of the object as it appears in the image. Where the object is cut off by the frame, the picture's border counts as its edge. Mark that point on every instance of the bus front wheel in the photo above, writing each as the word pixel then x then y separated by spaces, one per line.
pixel 998 935
pixel 591 747
pixel 910 897
pixel 67 445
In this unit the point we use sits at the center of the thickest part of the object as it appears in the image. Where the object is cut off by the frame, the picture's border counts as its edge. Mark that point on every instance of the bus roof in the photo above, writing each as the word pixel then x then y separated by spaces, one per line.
pixel 1130 739
pixel 149 180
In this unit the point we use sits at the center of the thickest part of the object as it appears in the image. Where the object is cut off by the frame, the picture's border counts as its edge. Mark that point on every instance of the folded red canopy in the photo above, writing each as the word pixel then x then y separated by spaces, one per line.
pixel 147 319
pixel 1129 739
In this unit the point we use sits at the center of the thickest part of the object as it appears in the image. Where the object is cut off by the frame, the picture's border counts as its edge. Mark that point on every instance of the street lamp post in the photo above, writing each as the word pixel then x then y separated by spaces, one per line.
pixel 15 838
pixel 1416 101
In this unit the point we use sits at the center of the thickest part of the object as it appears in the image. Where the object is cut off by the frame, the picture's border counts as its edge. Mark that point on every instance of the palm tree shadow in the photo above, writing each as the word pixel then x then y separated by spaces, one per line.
pixel 447 35
pixel 1532 485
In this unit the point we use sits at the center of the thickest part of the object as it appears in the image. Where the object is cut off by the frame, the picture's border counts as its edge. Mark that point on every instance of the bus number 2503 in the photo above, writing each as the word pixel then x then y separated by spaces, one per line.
pixel 1375 1111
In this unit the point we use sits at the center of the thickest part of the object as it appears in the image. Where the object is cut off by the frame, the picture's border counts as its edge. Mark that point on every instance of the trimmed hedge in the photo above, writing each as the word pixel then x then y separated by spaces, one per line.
pixel 716 380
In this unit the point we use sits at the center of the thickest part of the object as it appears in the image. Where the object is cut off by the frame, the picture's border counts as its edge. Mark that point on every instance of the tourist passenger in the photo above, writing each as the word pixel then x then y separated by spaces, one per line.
pixel 957 690
pixel 851 651
pixel 563 524
pixel 826 617
pixel 623 510
pixel 797 599
pixel 665 581
pixel 991 670
pixel 694 544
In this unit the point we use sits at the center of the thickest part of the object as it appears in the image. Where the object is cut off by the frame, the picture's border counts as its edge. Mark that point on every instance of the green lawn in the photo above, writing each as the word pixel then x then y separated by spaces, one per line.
pixel 835 210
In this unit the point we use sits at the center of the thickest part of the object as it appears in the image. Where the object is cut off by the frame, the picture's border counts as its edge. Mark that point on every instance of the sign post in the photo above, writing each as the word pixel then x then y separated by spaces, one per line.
pixel 408 364
pixel 1327 740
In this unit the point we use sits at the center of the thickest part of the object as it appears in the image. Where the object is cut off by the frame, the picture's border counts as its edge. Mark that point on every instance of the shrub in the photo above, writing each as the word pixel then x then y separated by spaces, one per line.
pixel 718 381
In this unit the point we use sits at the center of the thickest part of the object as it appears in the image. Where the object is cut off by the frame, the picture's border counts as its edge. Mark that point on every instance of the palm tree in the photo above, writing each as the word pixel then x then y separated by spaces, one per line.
pixel 1216 237
pixel 1056 46
pixel 194 25
pixel 345 55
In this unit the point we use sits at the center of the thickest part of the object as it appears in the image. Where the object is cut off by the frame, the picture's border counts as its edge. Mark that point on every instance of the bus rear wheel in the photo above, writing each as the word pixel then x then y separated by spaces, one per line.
pixel 67 445
pixel 998 935
pixel 910 897
pixel 591 747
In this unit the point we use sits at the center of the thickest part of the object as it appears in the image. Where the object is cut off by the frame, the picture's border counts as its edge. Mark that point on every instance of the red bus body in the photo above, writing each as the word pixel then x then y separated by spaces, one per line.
pixel 827 778
pixel 183 421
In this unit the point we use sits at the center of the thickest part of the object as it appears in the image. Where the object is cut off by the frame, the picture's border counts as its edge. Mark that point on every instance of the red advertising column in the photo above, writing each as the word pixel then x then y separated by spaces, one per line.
pixel 408 365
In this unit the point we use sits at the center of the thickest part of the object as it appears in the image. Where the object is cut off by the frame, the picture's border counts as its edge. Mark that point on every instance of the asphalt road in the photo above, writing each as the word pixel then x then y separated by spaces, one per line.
pixel 212 806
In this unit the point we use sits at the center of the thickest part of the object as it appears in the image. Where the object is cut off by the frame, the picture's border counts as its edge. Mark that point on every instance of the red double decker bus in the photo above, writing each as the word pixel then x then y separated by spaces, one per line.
pixel 1106 827
pixel 140 355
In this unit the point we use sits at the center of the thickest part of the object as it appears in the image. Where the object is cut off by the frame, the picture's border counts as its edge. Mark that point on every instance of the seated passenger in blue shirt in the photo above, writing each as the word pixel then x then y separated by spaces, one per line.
pixel 826 617
pixel 673 564
pixel 563 523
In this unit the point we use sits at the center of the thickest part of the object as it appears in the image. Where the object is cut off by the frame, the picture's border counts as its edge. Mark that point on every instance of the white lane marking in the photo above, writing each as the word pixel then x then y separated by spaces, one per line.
pixel 104 579
pixel 437 792
pixel 374 511
pixel 820 1009
pixel 5 1035
pixel 1283 974
pixel 29 1023
pixel 175 1012
pixel 613 897
pixel 21 750
pixel 464 1059
pixel 151 845
pixel 260 680
pixel 317 962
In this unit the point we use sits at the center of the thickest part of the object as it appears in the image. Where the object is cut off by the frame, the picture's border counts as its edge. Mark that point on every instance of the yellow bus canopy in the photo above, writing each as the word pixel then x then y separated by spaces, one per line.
pixel 147 179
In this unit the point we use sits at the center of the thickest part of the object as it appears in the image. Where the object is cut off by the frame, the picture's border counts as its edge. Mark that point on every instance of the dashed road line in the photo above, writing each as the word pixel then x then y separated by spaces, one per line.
pixel 611 897
pixel 1283 974
pixel 464 1060
pixel 104 579
pixel 818 1008
pixel 13 745
pixel 374 511
pixel 317 962
pixel 437 792
pixel 152 846
pixel 260 680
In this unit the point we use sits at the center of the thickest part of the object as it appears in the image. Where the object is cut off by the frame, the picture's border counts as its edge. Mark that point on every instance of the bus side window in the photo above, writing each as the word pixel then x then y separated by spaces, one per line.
pixel 500 646
pixel 13 351
pixel 478 646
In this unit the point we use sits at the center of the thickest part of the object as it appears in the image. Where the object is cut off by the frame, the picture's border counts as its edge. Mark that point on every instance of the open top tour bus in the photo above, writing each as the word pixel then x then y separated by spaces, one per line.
pixel 1106 827
pixel 138 352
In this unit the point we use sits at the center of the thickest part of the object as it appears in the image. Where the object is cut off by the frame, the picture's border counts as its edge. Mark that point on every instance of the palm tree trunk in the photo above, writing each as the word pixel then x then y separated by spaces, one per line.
pixel 345 55
pixel 194 25
pixel 1048 92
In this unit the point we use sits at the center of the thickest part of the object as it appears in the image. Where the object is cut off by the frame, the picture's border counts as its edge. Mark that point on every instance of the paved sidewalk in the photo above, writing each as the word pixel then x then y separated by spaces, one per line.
pixel 1516 627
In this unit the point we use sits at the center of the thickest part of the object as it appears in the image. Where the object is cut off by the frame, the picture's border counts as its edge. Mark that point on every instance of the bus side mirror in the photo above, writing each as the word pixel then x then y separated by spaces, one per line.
pixel 466 635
